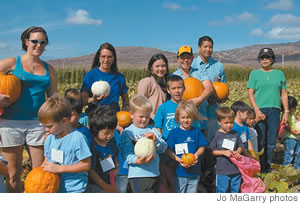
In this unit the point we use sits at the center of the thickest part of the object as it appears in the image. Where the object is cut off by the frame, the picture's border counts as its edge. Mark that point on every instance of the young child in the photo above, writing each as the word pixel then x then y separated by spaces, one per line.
pixel 75 94
pixel 3 173
pixel 66 150
pixel 143 172
pixel 186 139
pixel 250 122
pixel 76 109
pixel 292 136
pixel 241 110
pixel 103 122
pixel 164 119
pixel 226 143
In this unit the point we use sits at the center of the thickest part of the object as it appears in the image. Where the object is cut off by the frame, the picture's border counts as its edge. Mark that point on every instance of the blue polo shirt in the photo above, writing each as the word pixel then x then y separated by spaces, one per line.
pixel 214 70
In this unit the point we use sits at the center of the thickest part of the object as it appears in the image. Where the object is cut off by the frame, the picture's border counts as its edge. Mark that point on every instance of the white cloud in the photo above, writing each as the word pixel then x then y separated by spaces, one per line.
pixel 172 6
pixel 82 17
pixel 287 33
pixel 281 5
pixel 256 32
pixel 283 19
pixel 246 16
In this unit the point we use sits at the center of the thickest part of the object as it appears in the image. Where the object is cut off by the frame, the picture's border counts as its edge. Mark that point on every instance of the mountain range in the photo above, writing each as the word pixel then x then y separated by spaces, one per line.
pixel 287 54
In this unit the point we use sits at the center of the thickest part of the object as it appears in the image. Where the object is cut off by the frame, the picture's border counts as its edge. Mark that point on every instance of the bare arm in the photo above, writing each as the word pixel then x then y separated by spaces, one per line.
pixel 259 115
pixel 284 100
pixel 100 182
pixel 7 63
pixel 81 166
pixel 53 85
pixel 125 102
pixel 208 90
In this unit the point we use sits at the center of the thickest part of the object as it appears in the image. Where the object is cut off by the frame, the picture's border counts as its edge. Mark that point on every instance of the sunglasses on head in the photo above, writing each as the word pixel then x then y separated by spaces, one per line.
pixel 36 42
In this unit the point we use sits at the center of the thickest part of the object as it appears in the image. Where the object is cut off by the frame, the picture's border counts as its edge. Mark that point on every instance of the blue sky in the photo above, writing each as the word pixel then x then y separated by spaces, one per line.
pixel 78 27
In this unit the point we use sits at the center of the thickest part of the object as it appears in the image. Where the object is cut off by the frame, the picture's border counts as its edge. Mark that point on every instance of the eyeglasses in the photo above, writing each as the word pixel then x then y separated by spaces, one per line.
pixel 264 57
pixel 36 42
pixel 108 57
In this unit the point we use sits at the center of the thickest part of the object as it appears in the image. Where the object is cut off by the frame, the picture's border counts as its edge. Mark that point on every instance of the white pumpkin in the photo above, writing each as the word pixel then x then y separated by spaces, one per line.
pixel 297 126
pixel 100 88
pixel 144 147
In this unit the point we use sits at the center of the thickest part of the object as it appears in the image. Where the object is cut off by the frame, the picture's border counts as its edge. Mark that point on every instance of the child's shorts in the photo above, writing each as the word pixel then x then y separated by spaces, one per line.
pixel 15 133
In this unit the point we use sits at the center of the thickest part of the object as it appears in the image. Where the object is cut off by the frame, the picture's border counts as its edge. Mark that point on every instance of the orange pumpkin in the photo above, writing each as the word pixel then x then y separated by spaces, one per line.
pixel 193 88
pixel 124 118
pixel 10 85
pixel 188 158
pixel 221 90
pixel 40 181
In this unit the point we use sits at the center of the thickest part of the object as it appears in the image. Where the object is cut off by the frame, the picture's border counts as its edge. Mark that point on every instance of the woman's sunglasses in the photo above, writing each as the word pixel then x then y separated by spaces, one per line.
pixel 36 42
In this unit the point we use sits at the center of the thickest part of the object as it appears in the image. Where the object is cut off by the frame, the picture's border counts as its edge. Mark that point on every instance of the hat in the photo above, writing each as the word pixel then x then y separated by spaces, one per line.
pixel 185 49
pixel 266 52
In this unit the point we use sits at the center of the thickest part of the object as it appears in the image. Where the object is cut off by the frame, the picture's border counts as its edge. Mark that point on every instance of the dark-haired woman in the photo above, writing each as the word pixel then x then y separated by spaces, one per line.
pixel 19 124
pixel 154 86
pixel 105 68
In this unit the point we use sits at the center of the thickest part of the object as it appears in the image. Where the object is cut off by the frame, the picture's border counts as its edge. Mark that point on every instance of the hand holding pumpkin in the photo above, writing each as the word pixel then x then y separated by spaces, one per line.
pixel 151 136
pixel 144 160
pixel 51 167
pixel 4 100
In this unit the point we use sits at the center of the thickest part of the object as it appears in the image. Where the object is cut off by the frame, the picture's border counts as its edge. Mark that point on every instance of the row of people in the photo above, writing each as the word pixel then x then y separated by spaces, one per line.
pixel 38 78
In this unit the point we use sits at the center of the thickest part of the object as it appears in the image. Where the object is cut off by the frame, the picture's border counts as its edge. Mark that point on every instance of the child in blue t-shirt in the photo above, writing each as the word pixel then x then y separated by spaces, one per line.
pixel 143 172
pixel 3 172
pixel 66 150
pixel 226 143
pixel 76 108
pixel 186 139
pixel 241 110
pixel 103 122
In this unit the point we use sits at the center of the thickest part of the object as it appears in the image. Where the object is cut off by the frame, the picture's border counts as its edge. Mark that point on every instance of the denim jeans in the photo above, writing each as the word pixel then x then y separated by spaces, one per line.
pixel 292 151
pixel 226 182
pixel 186 185
pixel 268 132
pixel 122 183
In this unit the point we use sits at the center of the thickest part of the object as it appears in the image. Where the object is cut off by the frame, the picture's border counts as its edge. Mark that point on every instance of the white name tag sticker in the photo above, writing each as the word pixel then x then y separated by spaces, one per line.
pixel 243 137
pixel 107 164
pixel 181 148
pixel 228 144
pixel 57 155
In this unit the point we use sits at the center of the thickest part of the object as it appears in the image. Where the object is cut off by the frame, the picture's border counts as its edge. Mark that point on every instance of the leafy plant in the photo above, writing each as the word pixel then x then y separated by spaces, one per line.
pixel 284 179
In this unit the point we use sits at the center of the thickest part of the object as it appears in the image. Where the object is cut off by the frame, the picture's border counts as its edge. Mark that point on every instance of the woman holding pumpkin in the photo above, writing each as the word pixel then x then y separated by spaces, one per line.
pixel 105 68
pixel 19 124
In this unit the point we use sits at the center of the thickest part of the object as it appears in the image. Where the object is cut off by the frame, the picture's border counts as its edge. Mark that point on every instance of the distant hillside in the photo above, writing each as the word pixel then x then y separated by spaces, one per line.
pixel 139 56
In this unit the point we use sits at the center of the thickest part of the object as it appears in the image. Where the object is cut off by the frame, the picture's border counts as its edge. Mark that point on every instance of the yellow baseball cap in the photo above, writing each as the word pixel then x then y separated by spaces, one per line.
pixel 185 49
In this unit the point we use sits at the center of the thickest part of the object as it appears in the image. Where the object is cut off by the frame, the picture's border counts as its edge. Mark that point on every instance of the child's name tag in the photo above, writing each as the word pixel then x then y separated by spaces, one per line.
pixel 228 144
pixel 181 148
pixel 57 155
pixel 243 137
pixel 107 164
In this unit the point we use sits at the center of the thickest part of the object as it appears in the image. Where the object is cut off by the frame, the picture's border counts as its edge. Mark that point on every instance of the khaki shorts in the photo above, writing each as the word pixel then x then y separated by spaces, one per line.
pixel 19 132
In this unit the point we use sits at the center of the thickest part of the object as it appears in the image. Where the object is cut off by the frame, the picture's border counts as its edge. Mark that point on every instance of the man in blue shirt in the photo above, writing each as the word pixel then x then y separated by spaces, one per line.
pixel 215 72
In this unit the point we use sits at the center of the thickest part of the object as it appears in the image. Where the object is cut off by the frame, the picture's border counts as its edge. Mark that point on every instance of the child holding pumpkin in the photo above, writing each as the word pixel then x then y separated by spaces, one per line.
pixel 103 122
pixel 186 139
pixel 226 143
pixel 143 172
pixel 66 150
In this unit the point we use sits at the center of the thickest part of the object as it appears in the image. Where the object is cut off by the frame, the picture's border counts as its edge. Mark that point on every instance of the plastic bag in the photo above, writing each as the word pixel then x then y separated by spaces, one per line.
pixel 249 168
pixel 281 129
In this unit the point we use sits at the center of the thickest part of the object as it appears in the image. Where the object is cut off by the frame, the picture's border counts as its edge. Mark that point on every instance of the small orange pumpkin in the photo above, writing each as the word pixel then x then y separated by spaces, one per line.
pixel 124 118
pixel 188 158
pixel 221 90
pixel 193 88
pixel 10 85
pixel 40 181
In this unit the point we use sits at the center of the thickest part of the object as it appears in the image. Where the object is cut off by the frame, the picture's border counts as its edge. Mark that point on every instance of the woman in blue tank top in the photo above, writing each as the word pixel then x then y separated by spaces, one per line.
pixel 19 124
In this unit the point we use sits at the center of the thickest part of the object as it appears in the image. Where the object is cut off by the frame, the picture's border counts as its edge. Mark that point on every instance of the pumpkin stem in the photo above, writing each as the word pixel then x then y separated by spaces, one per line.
pixel 8 71
pixel 184 151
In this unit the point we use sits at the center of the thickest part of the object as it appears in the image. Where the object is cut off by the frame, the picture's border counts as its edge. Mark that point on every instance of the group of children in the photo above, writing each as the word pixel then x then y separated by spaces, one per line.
pixel 101 158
